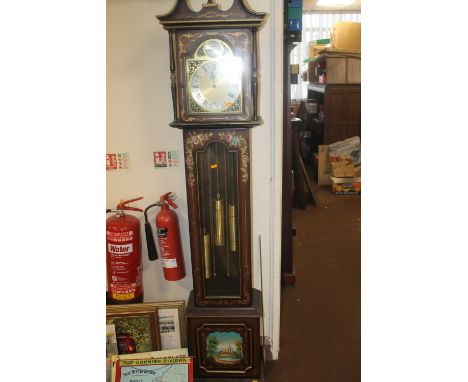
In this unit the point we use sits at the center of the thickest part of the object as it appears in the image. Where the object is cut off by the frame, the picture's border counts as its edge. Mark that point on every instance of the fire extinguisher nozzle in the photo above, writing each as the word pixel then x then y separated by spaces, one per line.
pixel 150 244
pixel 146 210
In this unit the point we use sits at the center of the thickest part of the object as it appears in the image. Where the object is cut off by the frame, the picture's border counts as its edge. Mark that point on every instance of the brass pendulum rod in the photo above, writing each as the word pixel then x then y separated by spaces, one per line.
pixel 219 209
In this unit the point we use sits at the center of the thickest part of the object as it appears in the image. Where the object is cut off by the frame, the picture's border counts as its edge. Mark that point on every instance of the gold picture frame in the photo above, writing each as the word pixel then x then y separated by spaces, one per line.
pixel 148 326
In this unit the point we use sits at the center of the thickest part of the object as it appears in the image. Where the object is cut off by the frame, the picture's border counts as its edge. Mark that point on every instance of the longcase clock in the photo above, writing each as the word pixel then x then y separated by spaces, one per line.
pixel 215 84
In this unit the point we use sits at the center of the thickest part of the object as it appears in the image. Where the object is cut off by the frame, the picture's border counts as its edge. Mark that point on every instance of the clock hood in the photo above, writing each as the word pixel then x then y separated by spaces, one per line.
pixel 183 16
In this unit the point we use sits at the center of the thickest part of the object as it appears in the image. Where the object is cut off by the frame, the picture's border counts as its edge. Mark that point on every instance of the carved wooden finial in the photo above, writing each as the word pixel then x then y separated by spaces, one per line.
pixel 210 3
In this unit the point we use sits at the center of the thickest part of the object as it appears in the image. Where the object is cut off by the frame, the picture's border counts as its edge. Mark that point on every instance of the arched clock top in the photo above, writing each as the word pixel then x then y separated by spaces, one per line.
pixel 239 13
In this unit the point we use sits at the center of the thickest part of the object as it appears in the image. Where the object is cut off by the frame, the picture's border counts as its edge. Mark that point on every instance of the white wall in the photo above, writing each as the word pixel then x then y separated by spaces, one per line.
pixel 139 111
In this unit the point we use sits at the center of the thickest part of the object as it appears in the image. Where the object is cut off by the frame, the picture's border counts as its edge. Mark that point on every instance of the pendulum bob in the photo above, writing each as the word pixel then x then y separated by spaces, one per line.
pixel 219 221
pixel 207 255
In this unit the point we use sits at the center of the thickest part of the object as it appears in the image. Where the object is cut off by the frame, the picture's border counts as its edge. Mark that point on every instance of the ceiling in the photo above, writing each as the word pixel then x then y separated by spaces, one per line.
pixel 311 5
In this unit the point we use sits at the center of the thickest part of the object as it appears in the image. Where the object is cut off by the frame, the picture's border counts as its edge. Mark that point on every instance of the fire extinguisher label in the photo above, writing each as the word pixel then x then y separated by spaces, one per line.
pixel 169 263
pixel 119 237
pixel 120 249
pixel 124 267
pixel 162 232
pixel 164 245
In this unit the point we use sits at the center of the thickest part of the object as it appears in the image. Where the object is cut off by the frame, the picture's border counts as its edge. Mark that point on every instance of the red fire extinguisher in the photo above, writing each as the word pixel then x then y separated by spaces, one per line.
pixel 170 246
pixel 123 255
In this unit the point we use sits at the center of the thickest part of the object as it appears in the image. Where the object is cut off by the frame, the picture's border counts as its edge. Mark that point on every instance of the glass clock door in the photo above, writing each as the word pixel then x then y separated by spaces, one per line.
pixel 217 171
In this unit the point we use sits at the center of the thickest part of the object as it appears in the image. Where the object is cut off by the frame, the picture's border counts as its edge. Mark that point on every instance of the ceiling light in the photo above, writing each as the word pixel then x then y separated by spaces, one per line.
pixel 335 2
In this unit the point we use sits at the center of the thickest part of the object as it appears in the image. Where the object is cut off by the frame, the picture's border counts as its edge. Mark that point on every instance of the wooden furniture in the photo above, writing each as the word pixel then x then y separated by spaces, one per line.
pixel 339 68
pixel 341 104
pixel 215 84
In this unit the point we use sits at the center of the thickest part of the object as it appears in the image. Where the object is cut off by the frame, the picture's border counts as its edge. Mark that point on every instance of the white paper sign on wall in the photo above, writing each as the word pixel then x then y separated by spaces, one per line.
pixel 164 159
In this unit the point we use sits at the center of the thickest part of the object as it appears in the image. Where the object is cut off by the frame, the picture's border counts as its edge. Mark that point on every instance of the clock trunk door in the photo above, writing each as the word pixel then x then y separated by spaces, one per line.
pixel 218 203
pixel 217 183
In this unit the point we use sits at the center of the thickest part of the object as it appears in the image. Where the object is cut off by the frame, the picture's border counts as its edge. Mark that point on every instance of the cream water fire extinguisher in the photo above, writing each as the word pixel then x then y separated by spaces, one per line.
pixel 170 246
pixel 123 255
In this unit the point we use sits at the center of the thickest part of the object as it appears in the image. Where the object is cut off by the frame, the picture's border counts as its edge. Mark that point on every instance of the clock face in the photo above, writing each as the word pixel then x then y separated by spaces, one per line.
pixel 214 79
pixel 216 85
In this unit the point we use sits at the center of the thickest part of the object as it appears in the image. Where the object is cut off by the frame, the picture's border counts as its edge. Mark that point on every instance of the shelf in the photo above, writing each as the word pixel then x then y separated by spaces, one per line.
pixel 320 88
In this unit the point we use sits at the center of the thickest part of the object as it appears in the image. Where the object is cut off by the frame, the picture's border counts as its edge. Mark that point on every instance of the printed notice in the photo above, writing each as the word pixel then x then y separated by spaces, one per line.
pixel 159 369
pixel 123 161
pixel 160 159
pixel 119 161
pixel 166 159
pixel 169 328
pixel 173 159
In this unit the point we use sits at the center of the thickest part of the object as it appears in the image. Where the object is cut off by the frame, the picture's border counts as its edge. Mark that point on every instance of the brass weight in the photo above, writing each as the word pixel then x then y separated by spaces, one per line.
pixel 219 221
pixel 207 255
pixel 232 214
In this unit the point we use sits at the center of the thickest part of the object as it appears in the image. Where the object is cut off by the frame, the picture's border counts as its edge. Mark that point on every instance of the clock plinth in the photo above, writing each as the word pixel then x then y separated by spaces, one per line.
pixel 226 343
pixel 214 83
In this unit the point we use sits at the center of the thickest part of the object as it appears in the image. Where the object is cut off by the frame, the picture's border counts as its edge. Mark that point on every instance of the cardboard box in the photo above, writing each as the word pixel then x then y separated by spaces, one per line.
pixel 345 186
pixel 314 48
pixel 343 70
pixel 324 166
pixel 346 36
pixel 344 169
pixel 339 70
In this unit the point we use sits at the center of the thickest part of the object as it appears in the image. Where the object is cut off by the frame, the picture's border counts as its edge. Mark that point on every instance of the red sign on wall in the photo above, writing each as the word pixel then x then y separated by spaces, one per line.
pixel 160 159
pixel 111 161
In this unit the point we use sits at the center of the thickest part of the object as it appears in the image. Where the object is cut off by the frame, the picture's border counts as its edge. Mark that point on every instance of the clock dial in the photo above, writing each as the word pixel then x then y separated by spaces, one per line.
pixel 213 48
pixel 215 85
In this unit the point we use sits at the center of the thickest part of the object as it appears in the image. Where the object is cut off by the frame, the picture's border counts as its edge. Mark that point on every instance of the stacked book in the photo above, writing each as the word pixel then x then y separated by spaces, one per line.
pixel 345 160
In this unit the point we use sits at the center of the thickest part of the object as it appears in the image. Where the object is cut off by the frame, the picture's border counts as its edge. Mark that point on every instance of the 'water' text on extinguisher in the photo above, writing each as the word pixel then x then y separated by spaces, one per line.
pixel 123 255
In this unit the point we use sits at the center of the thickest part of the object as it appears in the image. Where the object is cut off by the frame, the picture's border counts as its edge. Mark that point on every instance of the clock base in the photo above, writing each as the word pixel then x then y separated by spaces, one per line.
pixel 226 342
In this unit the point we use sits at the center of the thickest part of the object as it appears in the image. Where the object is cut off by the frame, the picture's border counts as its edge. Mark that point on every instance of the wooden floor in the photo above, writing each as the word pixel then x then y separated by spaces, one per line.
pixel 320 315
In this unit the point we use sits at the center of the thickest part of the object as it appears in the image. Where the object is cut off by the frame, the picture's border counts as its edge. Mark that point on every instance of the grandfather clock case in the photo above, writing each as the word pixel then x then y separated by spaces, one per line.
pixel 214 83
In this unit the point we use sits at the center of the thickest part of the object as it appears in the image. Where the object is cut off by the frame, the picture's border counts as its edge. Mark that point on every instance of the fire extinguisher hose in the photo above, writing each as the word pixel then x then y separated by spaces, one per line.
pixel 150 244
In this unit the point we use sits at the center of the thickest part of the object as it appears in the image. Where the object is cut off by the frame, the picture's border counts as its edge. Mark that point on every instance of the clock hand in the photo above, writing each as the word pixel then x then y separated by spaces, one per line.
pixel 213 77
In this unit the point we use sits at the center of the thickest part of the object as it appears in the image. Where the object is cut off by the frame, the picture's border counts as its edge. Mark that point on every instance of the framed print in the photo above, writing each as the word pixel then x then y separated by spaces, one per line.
pixel 172 327
pixel 225 348
pixel 148 326
pixel 136 327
